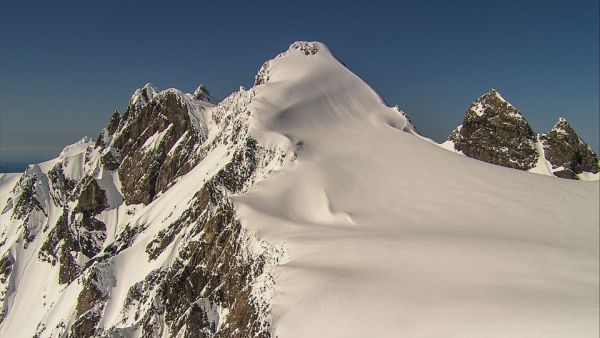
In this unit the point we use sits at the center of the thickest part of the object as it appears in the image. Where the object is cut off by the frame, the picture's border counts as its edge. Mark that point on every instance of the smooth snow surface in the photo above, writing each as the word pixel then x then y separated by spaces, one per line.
pixel 391 236
pixel 385 234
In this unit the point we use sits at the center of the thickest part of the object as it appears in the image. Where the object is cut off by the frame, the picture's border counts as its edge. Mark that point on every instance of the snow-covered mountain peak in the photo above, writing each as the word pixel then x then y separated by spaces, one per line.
pixel 494 92
pixel 562 126
pixel 299 94
pixel 301 54
pixel 305 199
pixel 493 100
pixel 77 147
pixel 201 93
pixel 172 104
pixel 308 48
pixel 142 95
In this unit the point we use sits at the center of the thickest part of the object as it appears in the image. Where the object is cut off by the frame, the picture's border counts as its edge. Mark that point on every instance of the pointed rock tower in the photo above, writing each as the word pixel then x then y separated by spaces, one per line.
pixel 567 153
pixel 494 131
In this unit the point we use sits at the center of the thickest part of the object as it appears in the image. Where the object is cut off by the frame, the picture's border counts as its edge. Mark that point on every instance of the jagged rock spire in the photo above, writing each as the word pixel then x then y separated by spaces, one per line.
pixel 143 95
pixel 567 153
pixel 113 124
pixel 494 131
pixel 202 94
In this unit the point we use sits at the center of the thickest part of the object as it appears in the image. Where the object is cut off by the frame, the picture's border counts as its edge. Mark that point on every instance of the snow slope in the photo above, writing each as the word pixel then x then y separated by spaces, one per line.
pixel 389 235
pixel 379 231
pixel 118 291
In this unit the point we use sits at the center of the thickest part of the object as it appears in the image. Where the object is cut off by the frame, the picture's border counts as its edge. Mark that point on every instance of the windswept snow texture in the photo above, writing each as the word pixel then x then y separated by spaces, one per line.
pixel 391 236
pixel 345 223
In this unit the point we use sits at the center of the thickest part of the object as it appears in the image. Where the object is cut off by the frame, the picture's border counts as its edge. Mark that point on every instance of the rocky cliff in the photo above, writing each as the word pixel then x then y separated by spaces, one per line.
pixel 494 131
pixel 567 153
pixel 74 218
pixel 171 223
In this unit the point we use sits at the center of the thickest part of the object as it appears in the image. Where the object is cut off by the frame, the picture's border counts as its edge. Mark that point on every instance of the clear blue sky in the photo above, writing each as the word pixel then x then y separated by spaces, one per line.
pixel 65 66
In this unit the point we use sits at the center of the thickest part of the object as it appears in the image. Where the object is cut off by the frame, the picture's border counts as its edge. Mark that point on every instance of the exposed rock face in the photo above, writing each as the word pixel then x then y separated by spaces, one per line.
pixel 308 48
pixel 29 199
pixel 495 132
pixel 201 93
pixel 92 198
pixel 567 153
pixel 146 140
pixel 210 285
pixel 62 187
pixel 6 268
pixel 92 300
pixel 59 247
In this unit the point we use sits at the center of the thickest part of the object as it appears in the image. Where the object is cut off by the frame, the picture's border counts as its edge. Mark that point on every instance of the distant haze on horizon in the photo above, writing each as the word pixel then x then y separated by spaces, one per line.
pixel 66 66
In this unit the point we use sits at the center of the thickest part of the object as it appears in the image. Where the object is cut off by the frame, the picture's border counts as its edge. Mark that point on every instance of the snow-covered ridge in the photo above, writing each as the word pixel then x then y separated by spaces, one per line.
pixel 142 95
pixel 201 93
pixel 311 81
pixel 195 103
pixel 85 217
pixel 493 99
pixel 305 199
pixel 373 217
pixel 561 126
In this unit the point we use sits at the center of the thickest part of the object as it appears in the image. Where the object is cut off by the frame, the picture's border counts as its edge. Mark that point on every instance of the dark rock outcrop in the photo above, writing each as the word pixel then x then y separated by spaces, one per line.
pixel 567 152
pixel 308 48
pixel 110 129
pixel 201 93
pixel 6 267
pixel 216 279
pixel 92 300
pixel 28 199
pixel 76 232
pixel 60 246
pixel 92 198
pixel 495 132
pixel 62 188
pixel 147 169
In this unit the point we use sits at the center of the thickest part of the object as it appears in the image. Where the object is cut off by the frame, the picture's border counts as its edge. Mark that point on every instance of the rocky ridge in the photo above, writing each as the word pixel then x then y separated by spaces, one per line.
pixel 568 155
pixel 494 131
pixel 78 213
pixel 135 234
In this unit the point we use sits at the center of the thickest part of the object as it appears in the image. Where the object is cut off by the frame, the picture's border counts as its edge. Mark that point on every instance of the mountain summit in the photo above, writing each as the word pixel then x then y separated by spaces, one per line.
pixel 301 207
pixel 494 131
pixel 567 153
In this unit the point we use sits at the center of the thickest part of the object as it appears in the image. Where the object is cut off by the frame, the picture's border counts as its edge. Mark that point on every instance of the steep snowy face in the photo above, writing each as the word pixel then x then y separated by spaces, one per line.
pixel 143 95
pixel 134 234
pixel 387 233
pixel 154 188
pixel 301 207
pixel 34 204
pixel 569 156
pixel 307 89
pixel 494 131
